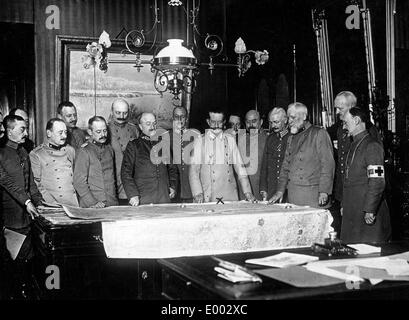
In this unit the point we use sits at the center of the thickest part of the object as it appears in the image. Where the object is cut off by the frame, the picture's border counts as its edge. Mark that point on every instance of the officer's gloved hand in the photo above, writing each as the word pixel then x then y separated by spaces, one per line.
pixel 134 201
pixel 277 197
pixel 198 198
pixel 249 197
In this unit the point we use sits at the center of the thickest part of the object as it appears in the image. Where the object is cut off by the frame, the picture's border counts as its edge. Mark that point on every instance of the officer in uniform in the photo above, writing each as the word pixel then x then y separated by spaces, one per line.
pixel 75 136
pixel 147 180
pixel 308 168
pixel 255 138
pixel 365 212
pixel 344 101
pixel 94 171
pixel 180 138
pixel 121 132
pixel 274 152
pixel 52 164
pixel 215 159
pixel 18 212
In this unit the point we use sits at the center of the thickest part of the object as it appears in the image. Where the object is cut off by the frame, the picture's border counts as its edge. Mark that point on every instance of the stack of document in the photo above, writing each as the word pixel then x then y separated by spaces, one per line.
pixel 283 260
pixel 234 273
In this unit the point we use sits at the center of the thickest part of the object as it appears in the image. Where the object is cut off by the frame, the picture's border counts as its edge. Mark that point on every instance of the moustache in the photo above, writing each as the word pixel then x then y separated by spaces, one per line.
pixel 102 138
pixel 121 119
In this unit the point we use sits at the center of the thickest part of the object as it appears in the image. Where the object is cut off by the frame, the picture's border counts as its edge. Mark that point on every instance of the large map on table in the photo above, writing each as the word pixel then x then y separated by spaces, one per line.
pixel 174 230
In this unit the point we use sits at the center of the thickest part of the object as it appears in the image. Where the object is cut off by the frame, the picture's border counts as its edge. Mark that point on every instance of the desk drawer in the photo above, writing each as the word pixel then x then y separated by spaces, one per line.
pixel 176 287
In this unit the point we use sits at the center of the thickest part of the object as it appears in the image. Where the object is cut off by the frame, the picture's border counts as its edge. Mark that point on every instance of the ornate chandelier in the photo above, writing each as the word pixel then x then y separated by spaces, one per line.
pixel 175 66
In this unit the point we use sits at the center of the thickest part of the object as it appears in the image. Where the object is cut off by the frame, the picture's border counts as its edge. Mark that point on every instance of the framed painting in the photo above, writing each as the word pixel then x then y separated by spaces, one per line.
pixel 92 91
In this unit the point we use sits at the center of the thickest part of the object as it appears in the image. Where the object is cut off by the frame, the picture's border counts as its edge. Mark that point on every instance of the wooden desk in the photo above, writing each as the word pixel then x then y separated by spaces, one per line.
pixel 85 271
pixel 194 278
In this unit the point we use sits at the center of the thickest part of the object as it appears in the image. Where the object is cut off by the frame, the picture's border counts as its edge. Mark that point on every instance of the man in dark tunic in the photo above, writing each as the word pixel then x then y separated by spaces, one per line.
pixel 148 179
pixel 94 170
pixel 343 102
pixel 179 142
pixel 274 152
pixel 251 150
pixel 365 212
pixel 75 136
pixel 17 211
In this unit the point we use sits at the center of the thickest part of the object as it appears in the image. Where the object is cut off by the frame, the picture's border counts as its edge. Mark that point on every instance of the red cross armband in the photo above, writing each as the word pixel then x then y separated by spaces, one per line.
pixel 375 171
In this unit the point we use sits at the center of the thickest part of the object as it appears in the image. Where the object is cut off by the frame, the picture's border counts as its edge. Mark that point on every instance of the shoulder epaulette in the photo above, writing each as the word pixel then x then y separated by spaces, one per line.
pixel 84 144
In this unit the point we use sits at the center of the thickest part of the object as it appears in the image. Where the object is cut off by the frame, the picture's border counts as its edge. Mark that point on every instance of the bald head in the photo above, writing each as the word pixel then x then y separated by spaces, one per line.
pixel 297 116
pixel 277 120
pixel 120 111
pixel 344 101
pixel 253 120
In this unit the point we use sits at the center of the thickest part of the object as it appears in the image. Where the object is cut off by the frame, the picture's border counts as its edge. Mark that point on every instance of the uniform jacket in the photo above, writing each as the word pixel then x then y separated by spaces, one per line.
pixel 75 137
pixel 309 160
pixel 16 163
pixel 53 173
pixel 120 135
pixel 364 192
pixel 212 170
pixel 272 160
pixel 8 183
pixel 144 178
pixel 94 175
pixel 343 143
pixel 252 160
pixel 181 148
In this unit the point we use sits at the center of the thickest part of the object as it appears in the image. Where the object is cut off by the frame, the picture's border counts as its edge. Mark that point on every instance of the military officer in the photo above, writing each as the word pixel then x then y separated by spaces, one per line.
pixel 308 168
pixel 28 144
pixel 343 102
pixel 254 146
pixel 75 136
pixel 52 164
pixel 365 212
pixel 179 141
pixel 274 151
pixel 121 132
pixel 147 180
pixel 16 214
pixel 215 158
pixel 94 171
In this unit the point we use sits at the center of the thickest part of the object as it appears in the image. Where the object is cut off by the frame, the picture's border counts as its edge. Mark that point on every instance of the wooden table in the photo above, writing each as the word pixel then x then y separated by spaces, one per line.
pixel 194 278
pixel 75 247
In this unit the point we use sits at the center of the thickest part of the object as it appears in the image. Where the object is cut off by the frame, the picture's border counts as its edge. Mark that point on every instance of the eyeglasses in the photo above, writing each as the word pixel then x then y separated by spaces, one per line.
pixel 148 123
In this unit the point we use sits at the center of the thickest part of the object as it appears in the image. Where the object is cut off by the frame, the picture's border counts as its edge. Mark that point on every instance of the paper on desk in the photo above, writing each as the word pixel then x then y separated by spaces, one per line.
pixel 394 267
pixel 299 277
pixel 283 259
pixel 373 274
pixel 14 241
pixel 331 272
pixel 365 248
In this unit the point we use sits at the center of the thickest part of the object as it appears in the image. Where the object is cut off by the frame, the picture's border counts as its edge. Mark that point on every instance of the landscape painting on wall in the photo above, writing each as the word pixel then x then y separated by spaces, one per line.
pixel 92 91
